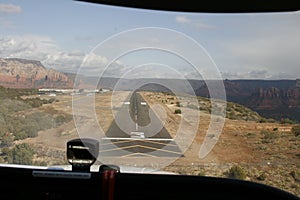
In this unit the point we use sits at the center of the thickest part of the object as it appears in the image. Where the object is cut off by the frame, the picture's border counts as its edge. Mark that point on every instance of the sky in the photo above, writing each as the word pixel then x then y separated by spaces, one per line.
pixel 99 40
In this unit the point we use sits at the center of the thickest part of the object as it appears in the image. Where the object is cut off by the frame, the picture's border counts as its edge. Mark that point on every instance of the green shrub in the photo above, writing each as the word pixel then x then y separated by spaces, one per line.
pixel 262 120
pixel 51 100
pixel 20 154
pixel 287 121
pixel 262 177
pixel 201 173
pixel 296 130
pixel 250 135
pixel 61 119
pixel 237 172
pixel 177 111
pixel 269 134
pixel 6 140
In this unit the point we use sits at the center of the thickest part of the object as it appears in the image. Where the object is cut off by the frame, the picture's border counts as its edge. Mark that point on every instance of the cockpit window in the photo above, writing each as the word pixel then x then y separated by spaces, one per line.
pixel 208 94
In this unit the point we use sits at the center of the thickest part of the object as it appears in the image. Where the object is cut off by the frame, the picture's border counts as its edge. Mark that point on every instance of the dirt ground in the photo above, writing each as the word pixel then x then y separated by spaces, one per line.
pixel 240 143
pixel 275 155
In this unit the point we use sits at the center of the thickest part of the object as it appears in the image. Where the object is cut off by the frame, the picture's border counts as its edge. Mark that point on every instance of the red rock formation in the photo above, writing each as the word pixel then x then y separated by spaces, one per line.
pixel 22 73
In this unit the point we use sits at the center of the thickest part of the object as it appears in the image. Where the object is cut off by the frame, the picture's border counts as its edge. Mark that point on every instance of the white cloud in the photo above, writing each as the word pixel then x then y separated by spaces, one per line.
pixel 274 46
pixel 47 51
pixel 94 60
pixel 6 9
pixel 39 48
pixel 182 20
pixel 257 74
pixel 192 22
pixel 63 61
pixel 279 54
pixel 27 46
pixel 9 8
pixel 253 74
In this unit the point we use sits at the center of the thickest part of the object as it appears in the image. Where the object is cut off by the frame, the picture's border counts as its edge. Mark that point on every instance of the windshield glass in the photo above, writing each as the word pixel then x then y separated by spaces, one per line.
pixel 189 93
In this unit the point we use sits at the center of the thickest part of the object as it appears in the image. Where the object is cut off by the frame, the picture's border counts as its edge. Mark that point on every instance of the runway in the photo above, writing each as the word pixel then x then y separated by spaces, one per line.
pixel 138 131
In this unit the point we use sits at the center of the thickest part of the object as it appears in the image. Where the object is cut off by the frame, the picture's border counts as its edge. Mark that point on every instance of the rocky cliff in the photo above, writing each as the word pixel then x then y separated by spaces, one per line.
pixel 275 97
pixel 270 98
pixel 22 73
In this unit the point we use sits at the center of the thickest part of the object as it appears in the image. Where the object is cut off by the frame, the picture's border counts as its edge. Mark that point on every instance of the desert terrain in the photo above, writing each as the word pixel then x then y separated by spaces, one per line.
pixel 265 152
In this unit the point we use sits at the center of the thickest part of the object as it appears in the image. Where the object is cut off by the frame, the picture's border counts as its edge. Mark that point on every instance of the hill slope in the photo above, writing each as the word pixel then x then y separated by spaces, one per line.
pixel 22 73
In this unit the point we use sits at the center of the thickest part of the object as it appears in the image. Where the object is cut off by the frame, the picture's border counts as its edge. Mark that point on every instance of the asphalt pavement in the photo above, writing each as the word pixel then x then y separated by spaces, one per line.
pixel 138 131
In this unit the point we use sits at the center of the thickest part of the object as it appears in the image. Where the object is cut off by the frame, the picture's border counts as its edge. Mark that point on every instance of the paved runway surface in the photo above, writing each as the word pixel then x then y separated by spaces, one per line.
pixel 137 131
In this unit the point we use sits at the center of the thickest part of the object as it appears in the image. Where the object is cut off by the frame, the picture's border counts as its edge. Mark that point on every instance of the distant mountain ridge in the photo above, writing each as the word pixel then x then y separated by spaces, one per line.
pixel 270 98
pixel 24 73
pixel 276 99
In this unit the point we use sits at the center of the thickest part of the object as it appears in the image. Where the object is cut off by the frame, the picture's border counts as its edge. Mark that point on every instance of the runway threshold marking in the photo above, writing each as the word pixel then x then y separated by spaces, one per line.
pixel 140 146
pixel 138 154
pixel 134 139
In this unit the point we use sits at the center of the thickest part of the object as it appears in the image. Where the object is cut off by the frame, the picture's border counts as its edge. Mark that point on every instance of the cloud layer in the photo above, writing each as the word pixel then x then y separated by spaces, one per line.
pixel 251 46
pixel 9 8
